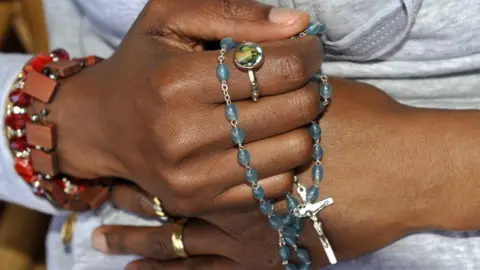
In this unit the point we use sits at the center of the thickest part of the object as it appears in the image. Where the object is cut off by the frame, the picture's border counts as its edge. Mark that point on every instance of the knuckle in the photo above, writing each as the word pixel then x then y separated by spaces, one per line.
pixel 308 103
pixel 293 68
pixel 301 146
pixel 286 182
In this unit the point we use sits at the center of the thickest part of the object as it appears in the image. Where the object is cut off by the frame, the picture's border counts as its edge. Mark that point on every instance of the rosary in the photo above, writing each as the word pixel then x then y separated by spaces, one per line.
pixel 249 57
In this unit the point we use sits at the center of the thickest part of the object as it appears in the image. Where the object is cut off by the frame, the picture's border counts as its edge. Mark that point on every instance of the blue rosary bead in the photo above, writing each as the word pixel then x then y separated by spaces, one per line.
pixel 238 135
pixel 222 72
pixel 251 175
pixel 276 222
pixel 317 152
pixel 315 28
pixel 290 231
pixel 312 194
pixel 266 208
pixel 231 112
pixel 227 43
pixel 315 131
pixel 292 202
pixel 299 225
pixel 317 173
pixel 325 90
pixel 243 157
pixel 291 240
pixel 304 266
pixel 291 266
pixel 258 192
pixel 284 253
pixel 303 255
pixel 288 219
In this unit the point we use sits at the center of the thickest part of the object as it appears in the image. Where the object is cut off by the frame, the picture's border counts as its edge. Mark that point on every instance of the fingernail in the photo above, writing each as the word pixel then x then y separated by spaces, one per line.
pixel 99 241
pixel 285 16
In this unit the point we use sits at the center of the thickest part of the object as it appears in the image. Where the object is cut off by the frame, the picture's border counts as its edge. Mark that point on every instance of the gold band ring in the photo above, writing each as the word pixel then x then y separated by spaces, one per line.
pixel 177 240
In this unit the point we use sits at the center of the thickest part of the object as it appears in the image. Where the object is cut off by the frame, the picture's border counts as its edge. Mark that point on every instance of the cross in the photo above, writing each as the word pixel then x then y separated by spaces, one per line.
pixel 310 210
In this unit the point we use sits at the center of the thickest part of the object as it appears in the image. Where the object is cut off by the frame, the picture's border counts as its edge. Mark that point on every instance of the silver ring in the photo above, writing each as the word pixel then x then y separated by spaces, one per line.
pixel 249 57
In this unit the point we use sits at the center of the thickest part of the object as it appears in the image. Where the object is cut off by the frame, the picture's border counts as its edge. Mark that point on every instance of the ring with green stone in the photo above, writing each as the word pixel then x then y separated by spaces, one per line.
pixel 249 57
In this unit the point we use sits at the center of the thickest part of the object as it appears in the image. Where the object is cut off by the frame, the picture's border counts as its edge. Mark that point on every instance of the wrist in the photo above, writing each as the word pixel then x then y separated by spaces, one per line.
pixel 82 138
pixel 447 168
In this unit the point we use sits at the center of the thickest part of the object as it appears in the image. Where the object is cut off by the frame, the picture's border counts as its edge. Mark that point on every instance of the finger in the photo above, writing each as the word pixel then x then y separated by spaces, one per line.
pixel 199 238
pixel 280 114
pixel 288 65
pixel 272 156
pixel 200 263
pixel 215 19
pixel 275 187
pixel 130 198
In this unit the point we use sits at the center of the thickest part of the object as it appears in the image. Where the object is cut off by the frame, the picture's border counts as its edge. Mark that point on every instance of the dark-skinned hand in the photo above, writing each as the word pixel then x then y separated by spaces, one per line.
pixel 153 111
pixel 369 199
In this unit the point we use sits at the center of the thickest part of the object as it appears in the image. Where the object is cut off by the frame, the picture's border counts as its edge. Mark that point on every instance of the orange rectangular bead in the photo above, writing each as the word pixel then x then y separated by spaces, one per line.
pixel 94 196
pixel 40 86
pixel 41 135
pixel 44 162
pixel 64 68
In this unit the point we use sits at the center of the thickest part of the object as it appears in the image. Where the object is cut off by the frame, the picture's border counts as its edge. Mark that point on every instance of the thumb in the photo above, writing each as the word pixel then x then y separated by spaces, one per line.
pixel 215 19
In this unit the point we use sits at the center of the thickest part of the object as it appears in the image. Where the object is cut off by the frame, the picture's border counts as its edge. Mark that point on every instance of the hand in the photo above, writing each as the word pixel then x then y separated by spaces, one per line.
pixel 372 206
pixel 154 111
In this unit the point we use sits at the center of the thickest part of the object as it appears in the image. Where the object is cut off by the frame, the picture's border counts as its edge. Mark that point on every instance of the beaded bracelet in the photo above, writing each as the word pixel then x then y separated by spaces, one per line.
pixel 32 139
pixel 289 225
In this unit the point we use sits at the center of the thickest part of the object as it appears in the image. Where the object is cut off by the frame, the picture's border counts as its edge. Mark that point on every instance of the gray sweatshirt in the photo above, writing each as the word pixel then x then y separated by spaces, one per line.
pixel 424 53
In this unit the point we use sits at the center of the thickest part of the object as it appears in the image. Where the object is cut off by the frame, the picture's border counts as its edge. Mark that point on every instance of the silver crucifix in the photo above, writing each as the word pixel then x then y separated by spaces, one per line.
pixel 310 210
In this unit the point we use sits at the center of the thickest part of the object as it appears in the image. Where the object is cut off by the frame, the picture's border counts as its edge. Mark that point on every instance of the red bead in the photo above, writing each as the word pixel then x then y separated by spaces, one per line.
pixel 18 144
pixel 23 166
pixel 16 121
pixel 39 61
pixel 20 98
pixel 61 53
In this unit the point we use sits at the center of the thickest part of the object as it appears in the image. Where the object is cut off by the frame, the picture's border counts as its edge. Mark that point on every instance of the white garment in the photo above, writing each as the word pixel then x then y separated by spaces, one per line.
pixel 422 52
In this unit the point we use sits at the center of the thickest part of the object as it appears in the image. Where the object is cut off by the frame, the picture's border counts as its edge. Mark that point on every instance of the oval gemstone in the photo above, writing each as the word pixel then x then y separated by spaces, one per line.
pixel 291 240
pixel 251 175
pixel 276 222
pixel 325 90
pixel 315 131
pixel 284 253
pixel 317 173
pixel 290 231
pixel 18 144
pixel 258 192
pixel 231 112
pixel 23 167
pixel 303 255
pixel 238 135
pixel 292 202
pixel 243 157
pixel 61 54
pixel 288 219
pixel 16 121
pixel 299 225
pixel 227 43
pixel 317 152
pixel 20 98
pixel 312 194
pixel 222 72
pixel 266 208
